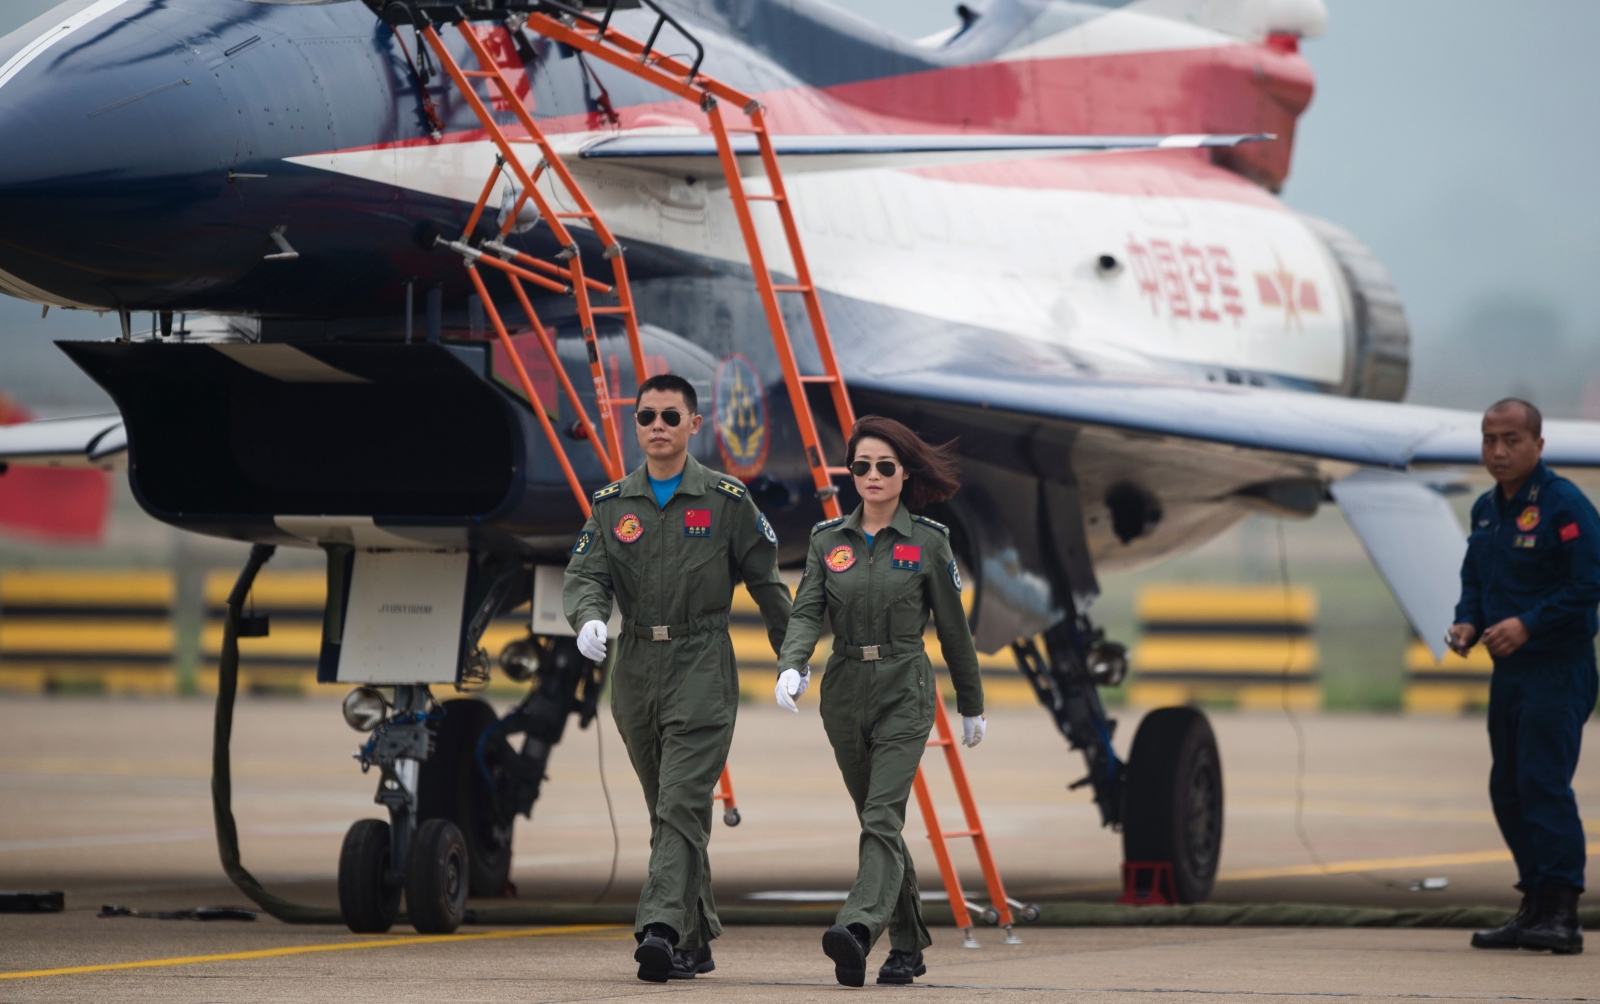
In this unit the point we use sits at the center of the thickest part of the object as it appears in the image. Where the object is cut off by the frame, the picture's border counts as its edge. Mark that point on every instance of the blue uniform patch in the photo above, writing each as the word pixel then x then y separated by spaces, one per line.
pixel 766 530
pixel 955 574
pixel 584 540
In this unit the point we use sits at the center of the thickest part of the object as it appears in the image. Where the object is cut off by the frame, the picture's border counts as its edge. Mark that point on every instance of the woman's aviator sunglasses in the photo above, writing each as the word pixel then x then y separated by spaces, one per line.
pixel 885 467
pixel 647 416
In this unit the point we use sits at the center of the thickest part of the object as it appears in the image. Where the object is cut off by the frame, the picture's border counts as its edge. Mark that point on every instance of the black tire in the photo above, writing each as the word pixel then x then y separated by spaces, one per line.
pixel 436 878
pixel 368 900
pixel 1172 799
pixel 452 786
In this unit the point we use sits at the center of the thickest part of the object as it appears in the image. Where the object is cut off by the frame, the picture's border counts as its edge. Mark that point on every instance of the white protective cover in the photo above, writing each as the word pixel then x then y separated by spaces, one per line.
pixel 403 621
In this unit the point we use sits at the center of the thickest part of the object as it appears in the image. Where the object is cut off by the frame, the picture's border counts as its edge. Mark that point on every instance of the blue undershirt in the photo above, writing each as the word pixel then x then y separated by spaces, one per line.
pixel 869 537
pixel 664 489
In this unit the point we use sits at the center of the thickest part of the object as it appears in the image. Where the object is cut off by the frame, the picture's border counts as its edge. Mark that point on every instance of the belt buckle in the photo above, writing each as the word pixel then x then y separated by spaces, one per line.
pixel 869 653
pixel 658 632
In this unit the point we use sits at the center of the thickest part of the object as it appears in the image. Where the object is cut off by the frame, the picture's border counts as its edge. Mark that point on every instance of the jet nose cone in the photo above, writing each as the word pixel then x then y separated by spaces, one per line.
pixel 101 108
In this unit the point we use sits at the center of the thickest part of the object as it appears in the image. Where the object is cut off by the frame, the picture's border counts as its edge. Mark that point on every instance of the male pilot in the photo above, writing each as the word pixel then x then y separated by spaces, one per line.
pixel 669 541
pixel 1529 586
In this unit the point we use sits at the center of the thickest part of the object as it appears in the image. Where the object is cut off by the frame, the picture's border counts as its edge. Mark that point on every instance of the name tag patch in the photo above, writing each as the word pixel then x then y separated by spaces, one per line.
pixel 697 522
pixel 907 556
pixel 1569 532
pixel 1525 540
pixel 628 528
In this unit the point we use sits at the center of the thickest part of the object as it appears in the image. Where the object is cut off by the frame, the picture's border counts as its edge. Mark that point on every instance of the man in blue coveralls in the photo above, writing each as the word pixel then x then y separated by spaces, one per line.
pixel 1529 587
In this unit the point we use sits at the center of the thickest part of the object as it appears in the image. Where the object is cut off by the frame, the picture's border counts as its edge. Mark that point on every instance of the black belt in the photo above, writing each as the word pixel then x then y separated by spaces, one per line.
pixel 862 653
pixel 672 632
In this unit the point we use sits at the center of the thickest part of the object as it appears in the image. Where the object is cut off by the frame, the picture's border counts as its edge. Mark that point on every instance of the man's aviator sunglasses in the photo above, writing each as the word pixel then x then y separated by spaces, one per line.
pixel 885 467
pixel 647 416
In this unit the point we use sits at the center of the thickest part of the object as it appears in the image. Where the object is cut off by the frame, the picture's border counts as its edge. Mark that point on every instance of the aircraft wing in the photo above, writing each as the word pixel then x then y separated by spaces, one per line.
pixel 690 153
pixel 92 441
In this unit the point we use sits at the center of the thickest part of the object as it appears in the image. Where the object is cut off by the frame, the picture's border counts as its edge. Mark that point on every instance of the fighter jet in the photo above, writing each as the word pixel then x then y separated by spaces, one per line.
pixel 1050 232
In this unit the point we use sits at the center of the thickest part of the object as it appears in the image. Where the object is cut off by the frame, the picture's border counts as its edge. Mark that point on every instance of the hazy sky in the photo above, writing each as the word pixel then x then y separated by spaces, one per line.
pixel 1456 137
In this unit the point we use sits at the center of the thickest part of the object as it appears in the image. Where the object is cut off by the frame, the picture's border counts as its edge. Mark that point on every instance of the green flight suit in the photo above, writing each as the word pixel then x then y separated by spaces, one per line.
pixel 877 712
pixel 672 570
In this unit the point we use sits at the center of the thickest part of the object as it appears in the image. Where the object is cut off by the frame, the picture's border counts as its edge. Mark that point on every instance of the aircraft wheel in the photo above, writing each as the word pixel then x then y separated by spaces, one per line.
pixel 452 786
pixel 436 878
pixel 368 900
pixel 1172 799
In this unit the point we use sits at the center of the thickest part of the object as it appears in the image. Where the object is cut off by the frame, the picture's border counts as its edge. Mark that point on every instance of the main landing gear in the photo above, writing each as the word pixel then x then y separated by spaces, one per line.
pixel 453 784
pixel 1167 798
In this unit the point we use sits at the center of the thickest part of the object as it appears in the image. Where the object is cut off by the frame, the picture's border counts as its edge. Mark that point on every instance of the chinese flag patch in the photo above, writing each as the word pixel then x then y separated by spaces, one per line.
pixel 907 556
pixel 697 522
pixel 1569 532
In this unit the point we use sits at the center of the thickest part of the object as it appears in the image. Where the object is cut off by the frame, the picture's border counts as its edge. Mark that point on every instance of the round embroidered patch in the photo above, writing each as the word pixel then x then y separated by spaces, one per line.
pixel 767 531
pixel 955 575
pixel 1529 519
pixel 628 528
pixel 840 558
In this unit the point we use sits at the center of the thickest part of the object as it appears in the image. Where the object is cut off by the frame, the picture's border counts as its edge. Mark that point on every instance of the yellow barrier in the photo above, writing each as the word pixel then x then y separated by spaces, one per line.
pixel 1448 688
pixel 109 630
pixel 1249 646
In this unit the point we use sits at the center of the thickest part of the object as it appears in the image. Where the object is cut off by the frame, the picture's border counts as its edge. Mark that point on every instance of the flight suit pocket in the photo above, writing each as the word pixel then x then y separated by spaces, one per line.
pixel 706 579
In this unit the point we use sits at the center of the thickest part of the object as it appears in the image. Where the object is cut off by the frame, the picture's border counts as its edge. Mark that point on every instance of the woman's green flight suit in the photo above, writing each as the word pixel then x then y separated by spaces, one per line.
pixel 878 690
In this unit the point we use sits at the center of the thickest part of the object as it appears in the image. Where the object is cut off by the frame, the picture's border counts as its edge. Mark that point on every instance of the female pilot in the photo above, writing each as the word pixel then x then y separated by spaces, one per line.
pixel 879 572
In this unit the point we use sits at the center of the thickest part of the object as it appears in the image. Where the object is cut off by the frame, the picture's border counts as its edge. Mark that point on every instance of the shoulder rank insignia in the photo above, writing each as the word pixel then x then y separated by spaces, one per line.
pixel 609 490
pixel 925 521
pixel 732 489
pixel 825 524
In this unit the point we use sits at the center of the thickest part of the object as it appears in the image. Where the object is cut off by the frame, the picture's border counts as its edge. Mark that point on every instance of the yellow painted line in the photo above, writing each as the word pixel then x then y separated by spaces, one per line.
pixel 1376 864
pixel 337 946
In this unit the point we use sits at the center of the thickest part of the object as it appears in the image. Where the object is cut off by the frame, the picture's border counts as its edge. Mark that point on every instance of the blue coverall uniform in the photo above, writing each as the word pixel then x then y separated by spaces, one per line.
pixel 1536 557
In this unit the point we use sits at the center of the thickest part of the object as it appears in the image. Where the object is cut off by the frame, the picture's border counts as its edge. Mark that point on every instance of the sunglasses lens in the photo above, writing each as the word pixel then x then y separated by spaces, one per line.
pixel 646 416
pixel 860 468
pixel 671 417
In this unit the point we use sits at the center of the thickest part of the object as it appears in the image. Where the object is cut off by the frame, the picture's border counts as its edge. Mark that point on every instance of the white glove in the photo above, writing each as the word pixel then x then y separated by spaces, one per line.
pixel 791 684
pixel 971 731
pixel 592 641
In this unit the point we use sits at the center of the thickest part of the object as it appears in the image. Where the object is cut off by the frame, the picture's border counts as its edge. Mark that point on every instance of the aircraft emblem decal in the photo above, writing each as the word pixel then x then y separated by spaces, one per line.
pixel 1191 282
pixel 1529 519
pixel 841 558
pixel 1282 288
pixel 628 528
pixel 740 415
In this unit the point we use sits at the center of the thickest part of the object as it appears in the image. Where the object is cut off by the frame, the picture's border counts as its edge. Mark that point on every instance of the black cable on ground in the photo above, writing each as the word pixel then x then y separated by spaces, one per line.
pixel 221 768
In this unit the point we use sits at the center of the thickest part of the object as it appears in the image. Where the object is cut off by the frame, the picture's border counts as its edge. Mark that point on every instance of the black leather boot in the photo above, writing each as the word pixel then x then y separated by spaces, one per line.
pixel 654 953
pixel 848 952
pixel 900 967
pixel 1556 929
pixel 687 963
pixel 1505 936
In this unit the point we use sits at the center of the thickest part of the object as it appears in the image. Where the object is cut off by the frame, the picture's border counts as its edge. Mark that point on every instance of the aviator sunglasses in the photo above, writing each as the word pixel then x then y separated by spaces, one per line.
pixel 647 416
pixel 885 467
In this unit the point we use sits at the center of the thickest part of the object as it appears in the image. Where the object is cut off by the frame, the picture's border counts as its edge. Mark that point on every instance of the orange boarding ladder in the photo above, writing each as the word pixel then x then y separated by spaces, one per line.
pixel 959 910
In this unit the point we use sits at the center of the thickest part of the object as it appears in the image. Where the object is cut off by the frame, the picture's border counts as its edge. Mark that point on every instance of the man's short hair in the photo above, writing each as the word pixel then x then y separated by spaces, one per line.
pixel 1533 421
pixel 672 383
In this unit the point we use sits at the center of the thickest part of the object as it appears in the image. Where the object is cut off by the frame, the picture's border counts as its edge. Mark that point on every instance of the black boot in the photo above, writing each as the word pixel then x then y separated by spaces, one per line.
pixel 900 967
pixel 848 950
pixel 654 953
pixel 1556 929
pixel 687 963
pixel 1505 936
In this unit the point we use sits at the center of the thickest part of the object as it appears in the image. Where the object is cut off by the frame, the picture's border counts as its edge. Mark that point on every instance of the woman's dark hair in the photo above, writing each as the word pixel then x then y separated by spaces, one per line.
pixel 932 473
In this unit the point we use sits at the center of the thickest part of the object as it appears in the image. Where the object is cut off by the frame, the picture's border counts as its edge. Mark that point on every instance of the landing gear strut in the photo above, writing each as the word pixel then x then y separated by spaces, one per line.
pixel 1167 798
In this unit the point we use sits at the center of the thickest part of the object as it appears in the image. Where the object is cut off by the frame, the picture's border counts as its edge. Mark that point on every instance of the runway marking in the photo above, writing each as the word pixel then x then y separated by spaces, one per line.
pixel 337 946
pixel 1375 864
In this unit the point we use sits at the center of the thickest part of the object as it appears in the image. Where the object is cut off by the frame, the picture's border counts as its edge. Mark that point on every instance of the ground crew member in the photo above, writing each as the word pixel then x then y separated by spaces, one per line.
pixel 878 572
pixel 1529 587
pixel 669 541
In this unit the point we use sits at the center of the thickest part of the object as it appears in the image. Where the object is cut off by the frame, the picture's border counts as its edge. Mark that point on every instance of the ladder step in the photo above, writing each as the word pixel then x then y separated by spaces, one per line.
pixel 819 379
pixel 573 216
pixel 840 472
pixel 766 198
pixel 478 73
pixel 608 310
pixel 962 833
pixel 792 289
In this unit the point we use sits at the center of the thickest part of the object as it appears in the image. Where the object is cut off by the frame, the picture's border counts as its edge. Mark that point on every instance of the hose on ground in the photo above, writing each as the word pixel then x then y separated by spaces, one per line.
pixel 221 768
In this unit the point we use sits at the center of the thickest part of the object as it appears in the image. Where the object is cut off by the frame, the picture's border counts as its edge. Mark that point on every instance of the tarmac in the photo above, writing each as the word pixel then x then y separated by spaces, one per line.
pixel 109 800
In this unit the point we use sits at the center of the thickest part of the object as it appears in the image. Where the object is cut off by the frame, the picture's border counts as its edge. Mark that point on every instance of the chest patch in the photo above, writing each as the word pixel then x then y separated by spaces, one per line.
pixel 840 558
pixel 1525 540
pixel 584 540
pixel 907 556
pixel 628 528
pixel 697 522
pixel 1529 519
